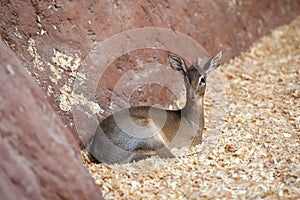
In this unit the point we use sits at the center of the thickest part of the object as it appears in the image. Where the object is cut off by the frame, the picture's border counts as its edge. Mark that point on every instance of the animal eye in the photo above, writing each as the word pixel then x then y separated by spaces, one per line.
pixel 201 81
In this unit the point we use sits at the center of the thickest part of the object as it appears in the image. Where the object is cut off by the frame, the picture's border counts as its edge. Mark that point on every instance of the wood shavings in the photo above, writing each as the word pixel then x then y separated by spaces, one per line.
pixel 258 153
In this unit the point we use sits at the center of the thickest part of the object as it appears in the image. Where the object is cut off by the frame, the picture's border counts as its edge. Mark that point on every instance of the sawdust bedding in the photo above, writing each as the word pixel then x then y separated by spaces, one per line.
pixel 258 152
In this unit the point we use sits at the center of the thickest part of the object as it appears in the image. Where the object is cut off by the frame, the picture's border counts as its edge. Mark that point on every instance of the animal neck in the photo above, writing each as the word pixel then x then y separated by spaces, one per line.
pixel 193 112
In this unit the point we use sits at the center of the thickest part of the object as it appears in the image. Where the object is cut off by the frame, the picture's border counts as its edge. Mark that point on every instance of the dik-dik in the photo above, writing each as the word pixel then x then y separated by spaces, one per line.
pixel 139 132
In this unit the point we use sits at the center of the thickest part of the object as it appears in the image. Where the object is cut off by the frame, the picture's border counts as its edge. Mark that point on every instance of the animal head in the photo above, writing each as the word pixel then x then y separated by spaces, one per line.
pixel 195 76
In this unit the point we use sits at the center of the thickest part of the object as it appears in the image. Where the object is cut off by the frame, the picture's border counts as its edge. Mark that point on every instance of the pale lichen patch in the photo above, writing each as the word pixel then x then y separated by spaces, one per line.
pixel 91 108
pixel 50 90
pixel 67 63
pixel 65 98
pixel 56 73
pixel 234 3
pixel 32 50
pixel 69 99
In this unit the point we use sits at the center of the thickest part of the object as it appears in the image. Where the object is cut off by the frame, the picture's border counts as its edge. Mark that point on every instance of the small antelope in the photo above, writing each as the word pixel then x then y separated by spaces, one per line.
pixel 140 132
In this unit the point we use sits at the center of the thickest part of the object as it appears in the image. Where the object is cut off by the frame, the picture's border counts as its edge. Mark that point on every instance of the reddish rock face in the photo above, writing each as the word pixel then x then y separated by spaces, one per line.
pixel 39 156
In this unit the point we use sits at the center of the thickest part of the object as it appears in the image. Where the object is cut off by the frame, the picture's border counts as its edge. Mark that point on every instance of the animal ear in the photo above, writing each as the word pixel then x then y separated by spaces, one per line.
pixel 177 63
pixel 213 63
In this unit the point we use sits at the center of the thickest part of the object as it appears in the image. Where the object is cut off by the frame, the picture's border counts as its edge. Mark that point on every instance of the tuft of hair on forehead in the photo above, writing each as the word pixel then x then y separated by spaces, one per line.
pixel 196 69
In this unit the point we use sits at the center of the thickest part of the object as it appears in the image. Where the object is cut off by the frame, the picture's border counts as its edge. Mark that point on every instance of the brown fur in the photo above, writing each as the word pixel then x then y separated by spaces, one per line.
pixel 140 132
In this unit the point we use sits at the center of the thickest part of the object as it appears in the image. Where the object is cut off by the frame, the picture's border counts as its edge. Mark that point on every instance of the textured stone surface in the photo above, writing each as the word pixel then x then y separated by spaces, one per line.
pixel 39 156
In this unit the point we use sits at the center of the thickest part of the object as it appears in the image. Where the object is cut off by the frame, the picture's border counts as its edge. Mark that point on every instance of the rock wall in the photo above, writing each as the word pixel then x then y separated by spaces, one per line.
pixel 40 158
